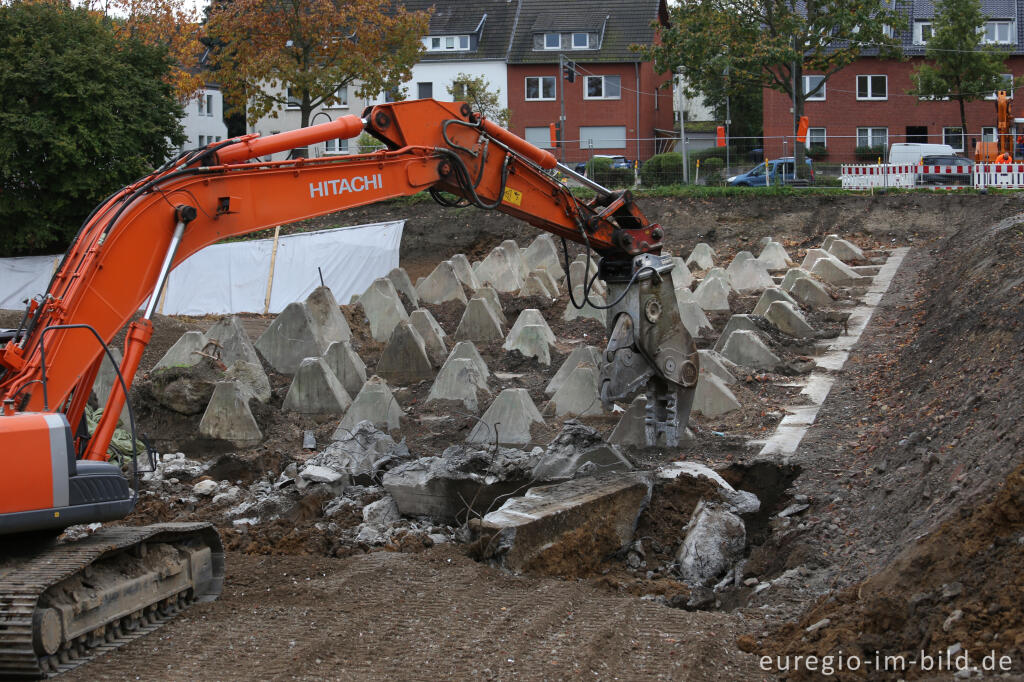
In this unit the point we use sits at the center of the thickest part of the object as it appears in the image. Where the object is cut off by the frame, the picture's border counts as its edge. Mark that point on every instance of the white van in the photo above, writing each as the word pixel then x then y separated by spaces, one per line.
pixel 911 152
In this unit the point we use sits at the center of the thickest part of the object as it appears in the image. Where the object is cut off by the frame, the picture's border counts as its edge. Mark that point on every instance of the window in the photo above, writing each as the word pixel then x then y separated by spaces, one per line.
pixel 424 90
pixel 552 41
pixel 810 84
pixel 391 95
pixel 459 91
pixel 446 43
pixel 340 99
pixel 435 44
pixel 202 106
pixel 539 137
pixel 580 41
pixel 202 141
pixel 872 137
pixel 602 137
pixel 336 147
pixel 922 32
pixel 954 137
pixel 293 100
pixel 603 87
pixel 999 32
pixel 872 87
pixel 1006 84
pixel 209 105
pixel 540 88
pixel 815 137
pixel 988 134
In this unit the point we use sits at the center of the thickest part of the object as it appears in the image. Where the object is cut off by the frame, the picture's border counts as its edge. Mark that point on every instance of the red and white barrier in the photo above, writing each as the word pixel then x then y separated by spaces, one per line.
pixel 869 176
pixel 878 175
pixel 1005 175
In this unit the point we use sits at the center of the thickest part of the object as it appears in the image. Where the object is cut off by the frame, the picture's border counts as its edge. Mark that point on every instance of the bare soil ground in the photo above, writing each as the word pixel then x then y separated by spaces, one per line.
pixel 914 539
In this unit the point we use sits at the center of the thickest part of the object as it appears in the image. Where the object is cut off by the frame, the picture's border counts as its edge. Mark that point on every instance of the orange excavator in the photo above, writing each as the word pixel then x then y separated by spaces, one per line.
pixel 59 600
pixel 1002 149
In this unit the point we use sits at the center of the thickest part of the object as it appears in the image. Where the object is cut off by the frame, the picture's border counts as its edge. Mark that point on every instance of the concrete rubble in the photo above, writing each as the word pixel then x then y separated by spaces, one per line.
pixel 746 349
pixel 714 541
pixel 315 389
pixel 770 295
pixel 499 270
pixel 383 308
pixel 588 310
pixel 578 450
pixel 464 271
pixel 702 257
pixel 543 253
pixel 404 360
pixel 712 294
pixel 712 397
pixel 441 285
pixel 433 336
pixel 228 416
pixel 508 420
pixel 479 323
pixel 631 430
pixel 579 356
pixel 357 456
pixel 403 285
pixel 578 395
pixel 532 341
pixel 374 404
pixel 788 319
pixel 460 379
pixel 773 256
pixel 576 523
pixel 346 365
pixel 304 330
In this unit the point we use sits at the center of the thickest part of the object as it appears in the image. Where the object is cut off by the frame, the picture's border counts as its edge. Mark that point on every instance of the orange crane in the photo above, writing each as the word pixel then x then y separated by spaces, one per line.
pixel 1002 149
pixel 58 600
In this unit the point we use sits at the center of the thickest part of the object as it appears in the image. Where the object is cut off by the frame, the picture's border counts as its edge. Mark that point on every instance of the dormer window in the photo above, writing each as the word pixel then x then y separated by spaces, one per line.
pixel 999 32
pixel 922 32
pixel 447 43
pixel 552 41
pixel 580 41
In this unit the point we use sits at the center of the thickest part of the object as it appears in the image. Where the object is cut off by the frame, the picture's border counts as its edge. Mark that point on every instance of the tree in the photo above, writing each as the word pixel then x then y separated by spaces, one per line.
pixel 730 46
pixel 477 91
pixel 270 50
pixel 82 113
pixel 961 67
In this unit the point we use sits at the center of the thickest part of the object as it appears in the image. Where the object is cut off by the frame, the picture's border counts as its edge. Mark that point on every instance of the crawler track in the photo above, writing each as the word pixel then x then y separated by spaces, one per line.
pixel 64 603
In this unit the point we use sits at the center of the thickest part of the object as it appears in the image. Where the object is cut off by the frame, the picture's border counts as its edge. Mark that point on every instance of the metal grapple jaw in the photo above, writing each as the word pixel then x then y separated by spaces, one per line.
pixel 649 349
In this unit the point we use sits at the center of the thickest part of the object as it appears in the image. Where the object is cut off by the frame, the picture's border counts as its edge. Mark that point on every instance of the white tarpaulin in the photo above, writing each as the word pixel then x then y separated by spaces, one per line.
pixel 232 278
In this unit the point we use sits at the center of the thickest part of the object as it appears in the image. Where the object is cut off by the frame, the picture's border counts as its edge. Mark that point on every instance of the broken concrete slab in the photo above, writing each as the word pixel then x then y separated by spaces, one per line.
pixel 441 285
pixel 508 420
pixel 185 352
pixel 490 293
pixel 316 390
pixel 543 253
pixel 714 542
pixel 460 379
pixel 466 350
pixel 748 275
pixel 304 330
pixel 479 323
pixel 231 343
pixel 712 362
pixel 746 349
pixel 499 270
pixel 631 429
pixel 712 397
pixel 788 319
pixel 228 416
pixel 712 294
pixel 811 293
pixel 702 257
pixel 535 286
pixel 792 275
pixel 835 272
pixel 346 365
pixel 252 377
pixel 462 482
pixel 532 340
pixel 693 318
pixel 404 360
pixel 770 295
pixel 579 356
pixel 403 285
pixel 773 256
pixel 578 450
pixel 588 310
pixel 740 501
pixel 735 323
pixel 846 251
pixel 383 308
pixel 577 523
pixel 431 333
pixel 578 395
pixel 375 404
pixel 812 257
pixel 357 454
pixel 464 271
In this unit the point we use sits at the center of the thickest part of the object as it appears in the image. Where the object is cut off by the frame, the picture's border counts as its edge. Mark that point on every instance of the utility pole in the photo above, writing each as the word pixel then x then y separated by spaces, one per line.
pixel 728 120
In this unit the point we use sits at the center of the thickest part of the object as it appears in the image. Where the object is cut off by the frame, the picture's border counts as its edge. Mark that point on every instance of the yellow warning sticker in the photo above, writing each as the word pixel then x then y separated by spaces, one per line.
pixel 513 197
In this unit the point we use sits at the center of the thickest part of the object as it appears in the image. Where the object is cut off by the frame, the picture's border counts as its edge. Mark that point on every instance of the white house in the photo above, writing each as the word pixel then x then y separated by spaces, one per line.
pixel 204 118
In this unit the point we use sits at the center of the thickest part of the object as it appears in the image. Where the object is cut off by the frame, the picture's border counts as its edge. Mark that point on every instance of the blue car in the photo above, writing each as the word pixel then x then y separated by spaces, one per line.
pixel 781 172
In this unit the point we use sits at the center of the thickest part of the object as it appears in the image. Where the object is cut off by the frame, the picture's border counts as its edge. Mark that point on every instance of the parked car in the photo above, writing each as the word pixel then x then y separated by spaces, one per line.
pixel 779 171
pixel 617 162
pixel 947 178
pixel 913 152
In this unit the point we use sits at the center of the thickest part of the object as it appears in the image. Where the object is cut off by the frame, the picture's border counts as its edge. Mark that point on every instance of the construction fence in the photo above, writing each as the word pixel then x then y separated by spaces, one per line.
pixel 976 176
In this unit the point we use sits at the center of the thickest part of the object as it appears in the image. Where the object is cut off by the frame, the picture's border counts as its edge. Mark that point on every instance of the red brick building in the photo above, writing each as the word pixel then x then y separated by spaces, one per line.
pixel 615 104
pixel 866 104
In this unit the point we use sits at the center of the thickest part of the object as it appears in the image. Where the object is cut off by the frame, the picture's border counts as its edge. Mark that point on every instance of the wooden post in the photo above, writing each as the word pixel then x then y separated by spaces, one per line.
pixel 270 275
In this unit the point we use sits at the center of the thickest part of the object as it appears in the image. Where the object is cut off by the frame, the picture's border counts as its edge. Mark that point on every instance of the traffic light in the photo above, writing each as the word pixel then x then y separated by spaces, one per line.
pixel 556 133
pixel 569 71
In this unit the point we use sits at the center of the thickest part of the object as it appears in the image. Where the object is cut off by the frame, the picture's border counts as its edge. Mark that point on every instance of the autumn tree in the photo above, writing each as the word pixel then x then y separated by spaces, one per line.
pixel 309 49
pixel 730 46
pixel 481 96
pixel 959 66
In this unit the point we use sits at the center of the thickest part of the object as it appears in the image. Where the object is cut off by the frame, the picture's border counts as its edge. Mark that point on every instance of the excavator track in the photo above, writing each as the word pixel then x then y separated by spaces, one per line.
pixel 65 603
